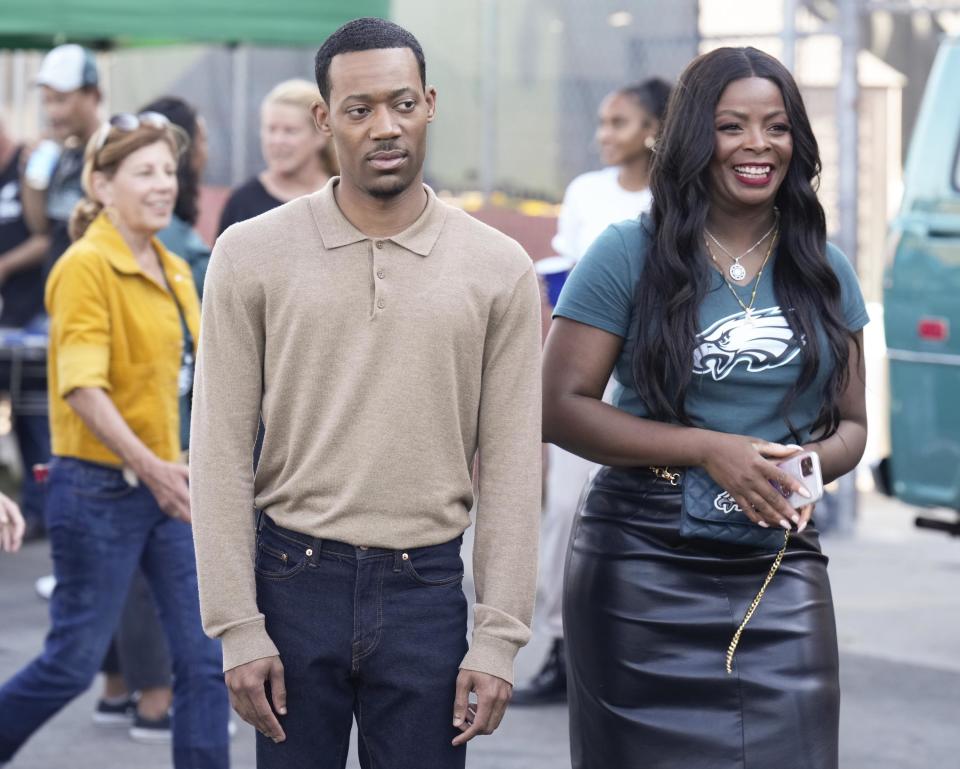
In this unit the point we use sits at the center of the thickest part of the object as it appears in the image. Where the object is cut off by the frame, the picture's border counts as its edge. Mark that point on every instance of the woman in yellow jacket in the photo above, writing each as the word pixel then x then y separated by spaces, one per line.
pixel 124 315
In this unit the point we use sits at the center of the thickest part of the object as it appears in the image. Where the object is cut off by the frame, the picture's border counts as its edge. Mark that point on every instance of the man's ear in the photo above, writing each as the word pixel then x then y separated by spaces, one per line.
pixel 321 117
pixel 431 95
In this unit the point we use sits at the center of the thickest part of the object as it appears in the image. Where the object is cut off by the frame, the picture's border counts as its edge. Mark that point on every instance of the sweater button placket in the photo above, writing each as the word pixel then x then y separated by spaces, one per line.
pixel 379 274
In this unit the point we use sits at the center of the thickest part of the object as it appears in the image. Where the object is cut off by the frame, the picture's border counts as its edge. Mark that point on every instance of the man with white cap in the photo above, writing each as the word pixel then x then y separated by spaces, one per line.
pixel 70 93
pixel 33 233
pixel 45 198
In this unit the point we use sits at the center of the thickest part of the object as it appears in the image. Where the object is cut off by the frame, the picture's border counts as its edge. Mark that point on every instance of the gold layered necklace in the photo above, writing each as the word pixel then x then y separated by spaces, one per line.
pixel 747 308
pixel 738 271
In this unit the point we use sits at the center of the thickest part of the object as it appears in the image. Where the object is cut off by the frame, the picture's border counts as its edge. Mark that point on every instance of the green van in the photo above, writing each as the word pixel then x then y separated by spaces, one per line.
pixel 922 307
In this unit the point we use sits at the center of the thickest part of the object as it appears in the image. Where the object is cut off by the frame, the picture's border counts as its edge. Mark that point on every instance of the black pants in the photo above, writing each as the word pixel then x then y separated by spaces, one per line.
pixel 139 648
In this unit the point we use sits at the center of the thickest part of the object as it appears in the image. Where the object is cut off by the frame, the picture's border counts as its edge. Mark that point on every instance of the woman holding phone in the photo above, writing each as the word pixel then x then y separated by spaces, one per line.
pixel 733 331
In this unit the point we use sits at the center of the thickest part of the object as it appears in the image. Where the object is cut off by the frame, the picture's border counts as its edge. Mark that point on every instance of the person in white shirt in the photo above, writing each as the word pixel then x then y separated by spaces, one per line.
pixel 628 123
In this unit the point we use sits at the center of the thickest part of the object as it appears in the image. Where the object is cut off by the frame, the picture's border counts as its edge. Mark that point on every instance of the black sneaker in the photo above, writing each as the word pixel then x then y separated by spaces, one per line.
pixel 115 714
pixel 151 730
pixel 549 685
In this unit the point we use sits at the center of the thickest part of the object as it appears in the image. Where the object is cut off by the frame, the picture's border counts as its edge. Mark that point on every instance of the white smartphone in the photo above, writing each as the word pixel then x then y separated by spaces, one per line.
pixel 805 468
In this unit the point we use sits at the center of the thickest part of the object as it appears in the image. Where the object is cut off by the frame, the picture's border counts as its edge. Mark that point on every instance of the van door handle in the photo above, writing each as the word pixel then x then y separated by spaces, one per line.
pixel 944 234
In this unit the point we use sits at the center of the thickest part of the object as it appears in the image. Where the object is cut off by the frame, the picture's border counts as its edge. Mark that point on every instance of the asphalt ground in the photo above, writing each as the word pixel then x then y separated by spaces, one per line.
pixel 898 614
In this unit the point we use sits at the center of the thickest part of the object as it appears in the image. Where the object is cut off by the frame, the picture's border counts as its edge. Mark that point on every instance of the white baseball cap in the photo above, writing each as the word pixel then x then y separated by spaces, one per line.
pixel 68 68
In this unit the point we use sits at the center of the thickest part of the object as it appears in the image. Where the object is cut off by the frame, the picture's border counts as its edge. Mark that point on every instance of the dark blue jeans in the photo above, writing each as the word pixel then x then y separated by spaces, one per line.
pixel 371 634
pixel 33 438
pixel 100 530
pixel 32 430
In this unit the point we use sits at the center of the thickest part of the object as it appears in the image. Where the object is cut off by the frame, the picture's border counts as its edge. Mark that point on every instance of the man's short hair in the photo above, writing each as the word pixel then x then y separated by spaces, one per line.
pixel 365 34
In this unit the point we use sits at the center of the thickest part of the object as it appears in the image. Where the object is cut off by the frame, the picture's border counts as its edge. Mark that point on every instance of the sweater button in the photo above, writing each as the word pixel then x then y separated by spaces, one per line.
pixel 379 244
pixel 380 274
pixel 381 304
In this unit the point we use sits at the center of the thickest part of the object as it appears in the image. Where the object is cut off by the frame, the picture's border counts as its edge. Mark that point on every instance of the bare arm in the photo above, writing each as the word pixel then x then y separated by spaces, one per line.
pixel 34 209
pixel 167 481
pixel 578 360
pixel 28 254
pixel 841 452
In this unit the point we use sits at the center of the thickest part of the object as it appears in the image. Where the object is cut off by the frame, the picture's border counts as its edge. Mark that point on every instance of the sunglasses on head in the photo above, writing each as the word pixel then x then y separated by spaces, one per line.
pixel 127 121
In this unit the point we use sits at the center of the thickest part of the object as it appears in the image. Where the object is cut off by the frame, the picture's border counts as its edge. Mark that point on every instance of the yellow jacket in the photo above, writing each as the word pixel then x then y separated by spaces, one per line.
pixel 113 327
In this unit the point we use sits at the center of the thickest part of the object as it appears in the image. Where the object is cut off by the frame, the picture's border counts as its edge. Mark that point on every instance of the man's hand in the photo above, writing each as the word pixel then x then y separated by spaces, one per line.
pixel 247 686
pixel 11 525
pixel 493 694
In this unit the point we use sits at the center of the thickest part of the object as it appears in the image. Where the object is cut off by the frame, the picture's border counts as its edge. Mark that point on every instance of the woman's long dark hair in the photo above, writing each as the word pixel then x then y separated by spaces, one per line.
pixel 180 113
pixel 676 274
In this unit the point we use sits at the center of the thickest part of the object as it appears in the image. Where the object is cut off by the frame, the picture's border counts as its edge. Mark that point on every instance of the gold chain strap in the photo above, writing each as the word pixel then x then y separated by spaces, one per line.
pixel 664 474
pixel 748 308
pixel 732 648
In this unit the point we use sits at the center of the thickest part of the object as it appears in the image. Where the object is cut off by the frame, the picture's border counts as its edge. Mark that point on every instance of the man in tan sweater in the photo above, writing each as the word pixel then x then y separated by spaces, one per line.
pixel 387 340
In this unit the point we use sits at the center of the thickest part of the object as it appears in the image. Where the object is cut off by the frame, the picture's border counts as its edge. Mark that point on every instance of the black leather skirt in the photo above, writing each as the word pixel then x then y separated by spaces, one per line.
pixel 648 617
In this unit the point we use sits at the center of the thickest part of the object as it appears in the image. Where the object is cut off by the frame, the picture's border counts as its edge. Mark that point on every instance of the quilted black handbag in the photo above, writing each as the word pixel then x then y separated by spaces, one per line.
pixel 709 512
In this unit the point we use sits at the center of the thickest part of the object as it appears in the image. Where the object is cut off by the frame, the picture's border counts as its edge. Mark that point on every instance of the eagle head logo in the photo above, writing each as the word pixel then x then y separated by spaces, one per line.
pixel 726 504
pixel 760 342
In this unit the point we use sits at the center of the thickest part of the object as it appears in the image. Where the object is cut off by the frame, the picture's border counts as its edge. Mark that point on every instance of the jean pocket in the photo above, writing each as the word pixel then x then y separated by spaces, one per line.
pixel 106 486
pixel 278 560
pixel 434 569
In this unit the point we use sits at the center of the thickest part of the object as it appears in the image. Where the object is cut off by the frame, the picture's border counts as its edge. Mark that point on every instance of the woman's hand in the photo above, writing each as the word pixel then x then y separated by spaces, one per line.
pixel 743 467
pixel 11 525
pixel 805 513
pixel 169 483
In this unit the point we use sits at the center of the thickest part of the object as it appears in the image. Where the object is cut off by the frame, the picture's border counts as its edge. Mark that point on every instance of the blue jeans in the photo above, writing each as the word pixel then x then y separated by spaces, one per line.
pixel 33 438
pixel 32 430
pixel 100 531
pixel 376 635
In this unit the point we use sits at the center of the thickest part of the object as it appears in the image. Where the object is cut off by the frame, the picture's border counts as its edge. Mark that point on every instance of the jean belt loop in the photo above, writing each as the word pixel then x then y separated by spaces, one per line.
pixel 259 520
pixel 397 561
pixel 317 549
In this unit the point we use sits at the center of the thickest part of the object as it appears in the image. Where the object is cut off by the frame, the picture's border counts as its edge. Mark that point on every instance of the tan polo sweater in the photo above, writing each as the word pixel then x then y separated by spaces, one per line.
pixel 381 367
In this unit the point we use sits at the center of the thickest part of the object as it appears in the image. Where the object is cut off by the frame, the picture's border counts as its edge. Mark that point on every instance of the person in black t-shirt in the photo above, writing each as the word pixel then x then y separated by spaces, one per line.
pixel 21 288
pixel 21 251
pixel 299 158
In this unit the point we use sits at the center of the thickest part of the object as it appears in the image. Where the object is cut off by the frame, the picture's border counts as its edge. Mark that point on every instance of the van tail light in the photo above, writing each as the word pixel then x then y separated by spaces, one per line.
pixel 933 329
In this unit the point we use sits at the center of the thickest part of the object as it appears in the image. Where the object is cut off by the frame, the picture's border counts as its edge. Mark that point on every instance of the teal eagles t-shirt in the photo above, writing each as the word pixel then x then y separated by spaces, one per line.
pixel 742 368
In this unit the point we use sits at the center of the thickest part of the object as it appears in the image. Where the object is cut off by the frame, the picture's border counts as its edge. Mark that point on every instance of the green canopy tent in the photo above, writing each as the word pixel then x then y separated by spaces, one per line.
pixel 110 24
pixel 106 23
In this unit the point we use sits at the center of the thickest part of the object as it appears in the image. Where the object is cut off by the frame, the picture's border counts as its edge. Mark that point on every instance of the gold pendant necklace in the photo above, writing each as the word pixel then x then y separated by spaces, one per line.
pixel 738 271
pixel 747 308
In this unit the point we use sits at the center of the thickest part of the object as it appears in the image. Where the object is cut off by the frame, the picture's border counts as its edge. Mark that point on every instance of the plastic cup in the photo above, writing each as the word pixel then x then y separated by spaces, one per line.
pixel 41 164
pixel 554 271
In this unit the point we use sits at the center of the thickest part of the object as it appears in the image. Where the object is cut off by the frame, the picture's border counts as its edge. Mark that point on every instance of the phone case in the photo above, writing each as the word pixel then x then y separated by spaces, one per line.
pixel 805 468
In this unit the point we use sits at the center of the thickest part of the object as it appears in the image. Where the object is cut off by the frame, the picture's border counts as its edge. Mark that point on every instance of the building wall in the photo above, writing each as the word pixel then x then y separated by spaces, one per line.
pixel 554 61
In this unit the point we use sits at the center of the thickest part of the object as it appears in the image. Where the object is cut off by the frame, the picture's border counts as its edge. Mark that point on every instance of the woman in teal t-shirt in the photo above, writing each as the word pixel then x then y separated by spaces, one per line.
pixel 733 332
